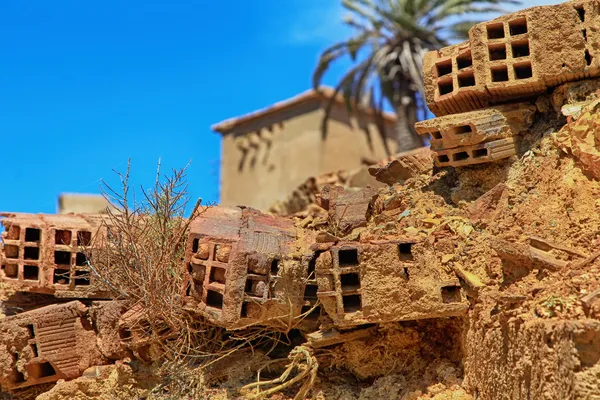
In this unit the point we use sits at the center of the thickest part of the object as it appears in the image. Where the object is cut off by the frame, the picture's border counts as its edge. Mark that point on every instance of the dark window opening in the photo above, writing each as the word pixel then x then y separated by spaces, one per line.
pixel 217 275
pixel 497 52
pixel 444 68
pixel 81 260
pixel 275 267
pixel 495 31
pixel 310 292
pixel 451 294
pixel 195 243
pixel 214 299
pixel 124 333
pixel 588 57
pixel 463 155
pixel 517 26
pixel 11 251
pixel 61 277
pixel 42 370
pixel 32 235
pixel 11 271
pixel 30 331
pixel 350 280
pixel 464 60
pixel 19 377
pixel 405 251
pixel 84 238
pixel 244 313
pixel 500 74
pixel 523 71
pixel 62 237
pixel 62 258
pixel 348 257
pixel 463 129
pixel 581 12
pixel 445 87
pixel 13 232
pixel 520 49
pixel 466 80
pixel 31 272
pixel 443 158
pixel 436 135
pixel 34 350
pixel 82 278
pixel 352 303
pixel 480 153
pixel 313 312
pixel 31 253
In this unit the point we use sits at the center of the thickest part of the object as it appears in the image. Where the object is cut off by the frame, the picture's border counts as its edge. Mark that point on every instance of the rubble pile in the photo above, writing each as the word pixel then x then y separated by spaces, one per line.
pixel 475 274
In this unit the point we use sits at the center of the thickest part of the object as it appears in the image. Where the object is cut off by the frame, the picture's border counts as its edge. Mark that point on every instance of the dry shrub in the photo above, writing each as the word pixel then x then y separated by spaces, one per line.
pixel 139 263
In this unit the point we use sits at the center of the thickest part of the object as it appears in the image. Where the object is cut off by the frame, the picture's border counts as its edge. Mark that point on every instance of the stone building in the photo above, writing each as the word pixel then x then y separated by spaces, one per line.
pixel 269 153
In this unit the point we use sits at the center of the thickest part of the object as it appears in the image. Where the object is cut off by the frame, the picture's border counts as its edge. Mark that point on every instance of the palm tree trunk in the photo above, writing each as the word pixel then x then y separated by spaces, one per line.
pixel 406 112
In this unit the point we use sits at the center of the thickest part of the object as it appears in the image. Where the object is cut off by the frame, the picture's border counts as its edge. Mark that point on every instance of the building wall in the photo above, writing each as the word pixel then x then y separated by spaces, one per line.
pixel 264 160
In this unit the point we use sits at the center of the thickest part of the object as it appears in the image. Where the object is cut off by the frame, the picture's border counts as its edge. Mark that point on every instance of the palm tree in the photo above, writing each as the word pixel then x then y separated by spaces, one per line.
pixel 392 36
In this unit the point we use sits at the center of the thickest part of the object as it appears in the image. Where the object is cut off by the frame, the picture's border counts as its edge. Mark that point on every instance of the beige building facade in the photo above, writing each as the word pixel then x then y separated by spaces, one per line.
pixel 269 153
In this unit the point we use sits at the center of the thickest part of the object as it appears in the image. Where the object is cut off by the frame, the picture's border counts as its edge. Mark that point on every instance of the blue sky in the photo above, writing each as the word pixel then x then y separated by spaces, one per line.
pixel 86 85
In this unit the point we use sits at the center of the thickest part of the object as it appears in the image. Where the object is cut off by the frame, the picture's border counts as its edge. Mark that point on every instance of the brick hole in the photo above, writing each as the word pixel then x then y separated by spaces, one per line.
pixel 11 251
pixel 463 155
pixel 580 12
pixel 41 370
pixel 584 34
pixel 500 74
pixel 62 258
pixel 124 334
pixel 352 303
pixel 214 299
pixel 31 273
pixel 444 68
pixel 30 331
pixel 195 244
pixel 312 315
pixel 464 60
pixel 31 253
pixel 310 292
pixel 81 260
pixel 19 377
pixel 588 57
pixel 436 135
pixel 197 272
pixel 62 237
pixel 462 130
pixel 61 277
pixel 443 158
pixel 82 278
pixel 13 232
pixel 188 289
pixel 520 48
pixel 497 52
pixel 523 71
pixel 84 238
pixel 495 31
pixel 405 251
pixel 406 273
pixel 445 87
pixel 348 257
pixel 451 294
pixel 255 288
pixel 217 275
pixel 275 267
pixel 480 153
pixel 34 350
pixel 350 280
pixel 466 80
pixel 32 235
pixel 217 247
pixel 11 271
pixel 244 312
pixel 517 26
